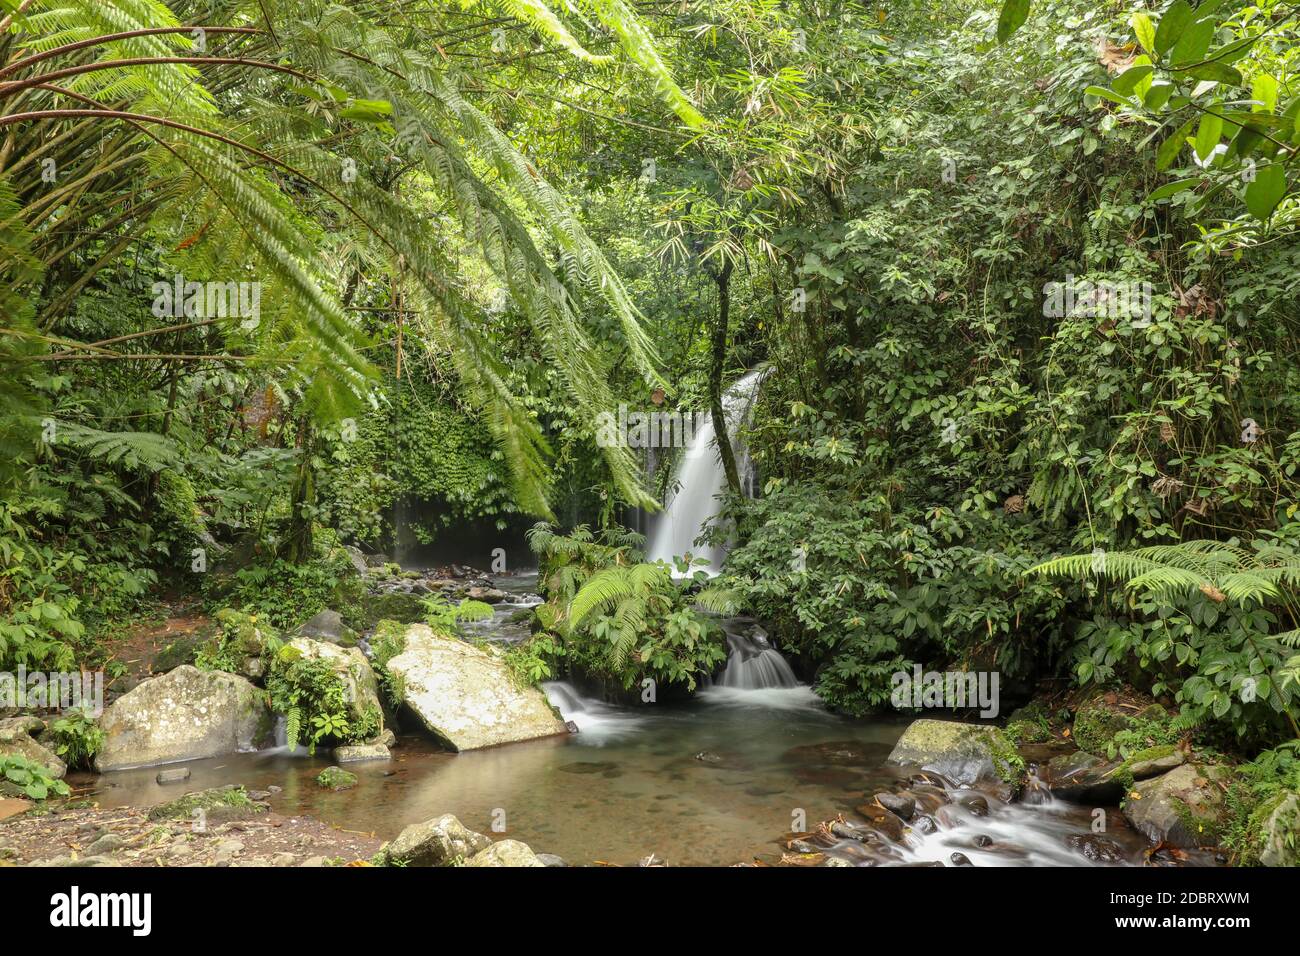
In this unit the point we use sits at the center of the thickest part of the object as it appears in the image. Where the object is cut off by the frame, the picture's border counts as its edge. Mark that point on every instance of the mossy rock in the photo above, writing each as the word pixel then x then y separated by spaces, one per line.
pixel 181 651
pixel 1096 724
pixel 963 753
pixel 336 779
pixel 391 605
pixel 217 805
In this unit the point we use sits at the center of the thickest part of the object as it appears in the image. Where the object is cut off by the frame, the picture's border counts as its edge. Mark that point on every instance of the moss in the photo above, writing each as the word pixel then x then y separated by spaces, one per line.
pixel 1095 726
pixel 1010 765
pixel 1021 732
pixel 223 802
pixel 336 778
pixel 392 605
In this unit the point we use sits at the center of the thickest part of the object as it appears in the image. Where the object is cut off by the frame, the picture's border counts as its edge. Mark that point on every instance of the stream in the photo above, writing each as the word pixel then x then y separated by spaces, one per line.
pixel 715 780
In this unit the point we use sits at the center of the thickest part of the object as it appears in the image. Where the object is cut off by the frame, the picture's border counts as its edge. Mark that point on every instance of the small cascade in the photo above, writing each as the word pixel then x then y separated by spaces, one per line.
pixel 592 717
pixel 700 479
pixel 754 664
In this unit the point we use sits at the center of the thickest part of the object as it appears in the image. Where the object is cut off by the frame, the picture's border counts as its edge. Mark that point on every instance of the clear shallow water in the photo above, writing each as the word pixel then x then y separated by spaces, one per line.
pixel 626 786
pixel 717 780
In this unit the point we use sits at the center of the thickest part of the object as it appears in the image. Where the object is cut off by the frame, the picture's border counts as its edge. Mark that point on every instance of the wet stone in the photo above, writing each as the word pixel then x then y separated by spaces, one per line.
pixel 898 803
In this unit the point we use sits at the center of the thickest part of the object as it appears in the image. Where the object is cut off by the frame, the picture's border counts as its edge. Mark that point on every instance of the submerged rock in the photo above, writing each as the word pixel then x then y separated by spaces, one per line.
pixel 336 778
pixel 186 714
pixel 439 842
pixel 467 696
pixel 963 753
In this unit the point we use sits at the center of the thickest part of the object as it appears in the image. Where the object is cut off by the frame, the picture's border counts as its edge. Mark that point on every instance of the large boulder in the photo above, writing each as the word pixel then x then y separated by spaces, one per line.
pixel 963 753
pixel 1281 833
pixel 1182 807
pixel 443 841
pixel 505 853
pixel 186 714
pixel 468 697
pixel 16 740
pixel 360 687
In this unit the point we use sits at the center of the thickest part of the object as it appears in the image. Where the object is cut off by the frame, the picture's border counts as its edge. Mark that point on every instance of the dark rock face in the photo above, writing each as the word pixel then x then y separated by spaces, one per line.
pixel 1082 778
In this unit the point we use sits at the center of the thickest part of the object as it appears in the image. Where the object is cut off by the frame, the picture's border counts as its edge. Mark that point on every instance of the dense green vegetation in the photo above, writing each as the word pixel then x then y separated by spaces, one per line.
pixel 1023 277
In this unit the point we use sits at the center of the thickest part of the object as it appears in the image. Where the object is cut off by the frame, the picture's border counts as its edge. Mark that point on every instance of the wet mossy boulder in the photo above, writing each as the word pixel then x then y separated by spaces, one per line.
pixel 1183 807
pixel 961 753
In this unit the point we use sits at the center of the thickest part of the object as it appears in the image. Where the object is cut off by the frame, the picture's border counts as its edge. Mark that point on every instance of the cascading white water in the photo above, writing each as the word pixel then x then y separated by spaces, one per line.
pixel 700 479
pixel 754 664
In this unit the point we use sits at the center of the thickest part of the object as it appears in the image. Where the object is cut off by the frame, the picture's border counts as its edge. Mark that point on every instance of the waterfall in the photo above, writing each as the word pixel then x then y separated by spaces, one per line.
pixel 754 664
pixel 699 479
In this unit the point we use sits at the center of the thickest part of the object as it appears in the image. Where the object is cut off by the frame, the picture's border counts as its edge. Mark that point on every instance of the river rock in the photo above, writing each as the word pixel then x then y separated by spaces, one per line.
pixel 962 753
pixel 1154 766
pixel 16 740
pixel 1180 808
pixel 1281 833
pixel 327 626
pixel 438 842
pixel 356 753
pixel 1096 848
pixel 336 779
pixel 468 697
pixel 1083 778
pixel 901 804
pixel 505 853
pixel 186 714
pixel 360 687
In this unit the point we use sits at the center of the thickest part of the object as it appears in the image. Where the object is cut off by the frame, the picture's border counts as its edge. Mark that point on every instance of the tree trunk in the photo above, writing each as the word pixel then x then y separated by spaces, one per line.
pixel 302 501
pixel 725 452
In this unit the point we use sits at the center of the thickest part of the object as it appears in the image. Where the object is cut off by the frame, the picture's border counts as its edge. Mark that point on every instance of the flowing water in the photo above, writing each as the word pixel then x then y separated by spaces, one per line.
pixel 716 780
pixel 700 479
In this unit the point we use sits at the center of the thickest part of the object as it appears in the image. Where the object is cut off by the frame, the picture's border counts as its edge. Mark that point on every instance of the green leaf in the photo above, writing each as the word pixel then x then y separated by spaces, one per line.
pixel 1013 17
pixel 1218 72
pixel 1145 31
pixel 368 111
pixel 1207 135
pixel 1176 19
pixel 1128 80
pixel 1106 94
pixel 1171 189
pixel 1267 190
pixel 1193 44
pixel 1171 147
